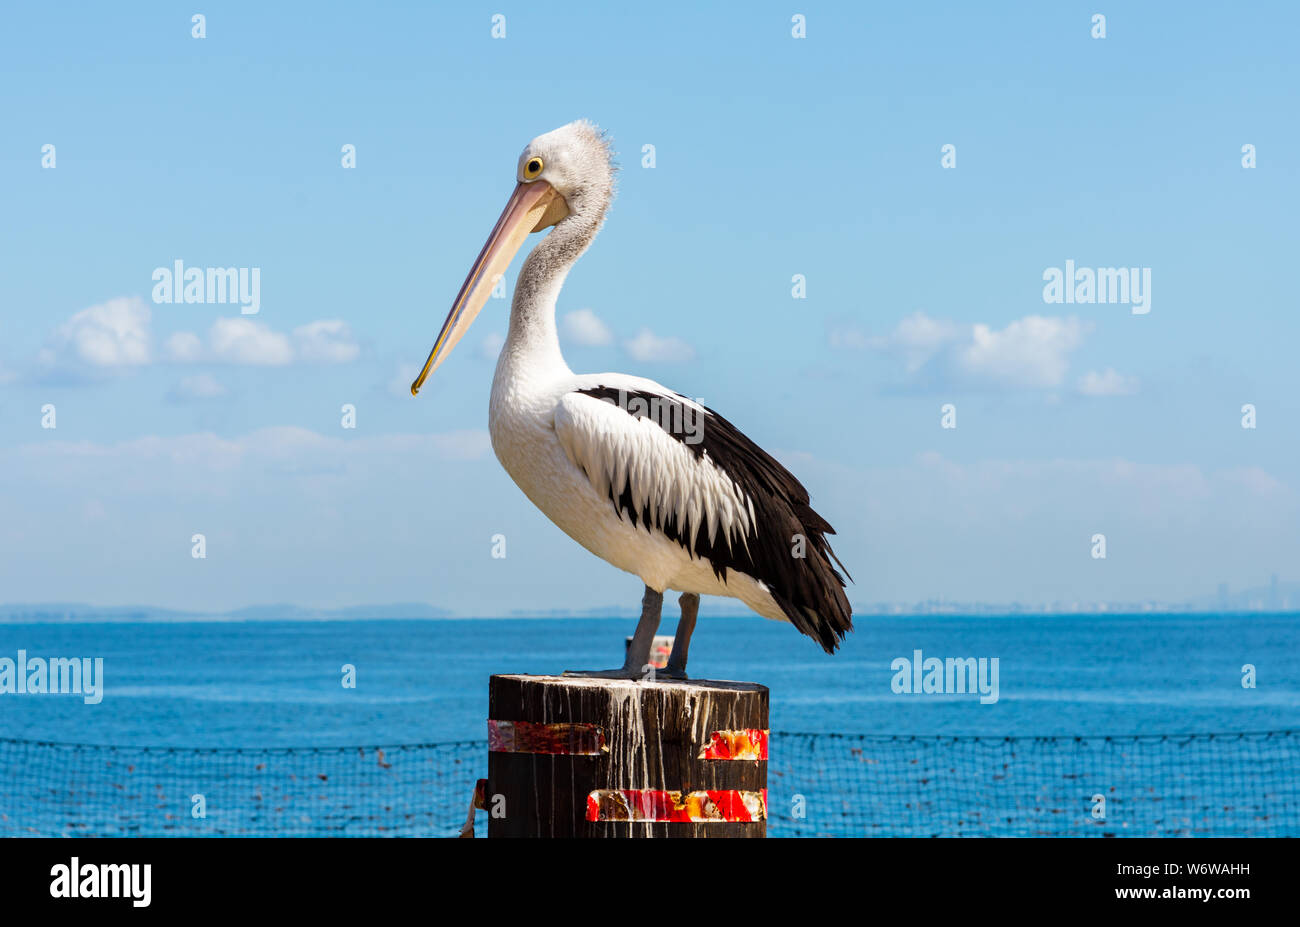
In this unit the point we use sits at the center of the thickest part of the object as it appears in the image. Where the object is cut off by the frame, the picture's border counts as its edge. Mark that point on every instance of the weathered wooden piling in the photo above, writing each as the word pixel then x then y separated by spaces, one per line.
pixel 578 757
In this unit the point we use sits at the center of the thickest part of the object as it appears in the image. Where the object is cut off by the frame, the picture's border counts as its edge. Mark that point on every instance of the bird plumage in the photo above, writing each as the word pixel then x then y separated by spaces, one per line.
pixel 687 472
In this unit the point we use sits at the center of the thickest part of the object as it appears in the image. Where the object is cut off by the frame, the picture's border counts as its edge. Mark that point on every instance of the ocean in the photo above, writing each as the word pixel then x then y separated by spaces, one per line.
pixel 275 684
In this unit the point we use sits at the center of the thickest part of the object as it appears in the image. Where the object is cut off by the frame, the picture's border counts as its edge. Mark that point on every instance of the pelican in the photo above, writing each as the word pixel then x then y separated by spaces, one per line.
pixel 643 477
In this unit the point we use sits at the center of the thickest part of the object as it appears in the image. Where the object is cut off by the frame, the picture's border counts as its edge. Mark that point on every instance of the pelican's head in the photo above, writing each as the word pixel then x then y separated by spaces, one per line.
pixel 575 161
pixel 564 175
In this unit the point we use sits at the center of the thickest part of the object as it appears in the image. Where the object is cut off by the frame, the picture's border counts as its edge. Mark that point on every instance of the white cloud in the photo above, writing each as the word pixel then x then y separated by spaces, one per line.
pixel 199 386
pixel 1110 383
pixel 1033 352
pixel 584 327
pixel 251 343
pixel 117 334
pixel 648 347
pixel 327 341
pixel 916 338
pixel 243 341
pixel 111 334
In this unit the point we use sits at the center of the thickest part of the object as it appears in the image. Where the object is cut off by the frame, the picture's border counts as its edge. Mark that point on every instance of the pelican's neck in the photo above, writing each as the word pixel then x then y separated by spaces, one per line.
pixel 533 346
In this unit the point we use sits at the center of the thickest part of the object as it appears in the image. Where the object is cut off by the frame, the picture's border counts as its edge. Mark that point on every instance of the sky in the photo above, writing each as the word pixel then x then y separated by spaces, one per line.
pixel 780 164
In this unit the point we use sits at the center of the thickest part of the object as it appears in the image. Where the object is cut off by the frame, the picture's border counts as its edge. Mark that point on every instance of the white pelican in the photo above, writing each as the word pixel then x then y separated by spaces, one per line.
pixel 641 476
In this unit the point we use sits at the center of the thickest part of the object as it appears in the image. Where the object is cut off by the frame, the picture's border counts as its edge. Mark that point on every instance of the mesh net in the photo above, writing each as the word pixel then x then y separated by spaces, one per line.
pixel 1186 785
pixel 818 785
pixel 65 789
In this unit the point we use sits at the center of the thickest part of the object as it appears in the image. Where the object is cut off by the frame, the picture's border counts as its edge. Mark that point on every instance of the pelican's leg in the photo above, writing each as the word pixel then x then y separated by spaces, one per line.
pixel 638 652
pixel 676 668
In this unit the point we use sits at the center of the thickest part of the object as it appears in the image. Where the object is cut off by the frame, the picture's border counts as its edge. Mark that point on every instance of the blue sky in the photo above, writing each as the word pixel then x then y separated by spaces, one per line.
pixel 775 156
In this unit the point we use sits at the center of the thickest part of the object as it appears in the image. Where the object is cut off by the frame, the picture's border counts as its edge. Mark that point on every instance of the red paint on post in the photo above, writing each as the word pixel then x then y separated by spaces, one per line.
pixel 749 744
pixel 551 739
pixel 659 805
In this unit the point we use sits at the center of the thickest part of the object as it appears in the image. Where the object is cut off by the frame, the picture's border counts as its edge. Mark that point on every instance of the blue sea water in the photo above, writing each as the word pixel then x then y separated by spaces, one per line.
pixel 261 684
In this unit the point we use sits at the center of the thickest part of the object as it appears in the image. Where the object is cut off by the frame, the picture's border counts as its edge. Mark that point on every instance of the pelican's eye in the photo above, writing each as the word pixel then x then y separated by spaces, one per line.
pixel 532 168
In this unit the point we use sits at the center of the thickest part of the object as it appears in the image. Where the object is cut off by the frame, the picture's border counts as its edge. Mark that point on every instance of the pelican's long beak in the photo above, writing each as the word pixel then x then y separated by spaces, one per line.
pixel 529 210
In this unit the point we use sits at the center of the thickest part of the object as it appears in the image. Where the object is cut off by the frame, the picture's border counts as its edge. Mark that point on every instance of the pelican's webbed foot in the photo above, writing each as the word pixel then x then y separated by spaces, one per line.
pixel 624 672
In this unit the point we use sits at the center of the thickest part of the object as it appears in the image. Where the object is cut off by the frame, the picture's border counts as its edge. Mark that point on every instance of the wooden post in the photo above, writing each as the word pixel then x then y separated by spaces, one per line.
pixel 577 757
